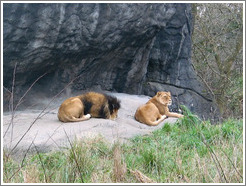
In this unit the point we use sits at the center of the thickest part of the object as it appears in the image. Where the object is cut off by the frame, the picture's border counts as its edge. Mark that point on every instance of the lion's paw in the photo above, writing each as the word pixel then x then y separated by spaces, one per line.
pixel 163 117
pixel 181 115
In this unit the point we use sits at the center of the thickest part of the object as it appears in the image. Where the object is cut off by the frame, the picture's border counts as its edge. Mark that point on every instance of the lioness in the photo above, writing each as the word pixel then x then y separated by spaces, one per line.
pixel 88 105
pixel 156 109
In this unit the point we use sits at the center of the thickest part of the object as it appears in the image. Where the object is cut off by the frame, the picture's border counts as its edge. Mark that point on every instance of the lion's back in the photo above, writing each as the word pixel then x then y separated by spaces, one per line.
pixel 146 112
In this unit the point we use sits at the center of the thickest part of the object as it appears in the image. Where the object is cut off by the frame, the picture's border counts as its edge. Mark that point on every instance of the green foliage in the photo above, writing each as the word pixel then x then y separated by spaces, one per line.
pixel 166 128
pixel 9 168
pixel 80 163
pixel 54 161
pixel 232 129
pixel 235 96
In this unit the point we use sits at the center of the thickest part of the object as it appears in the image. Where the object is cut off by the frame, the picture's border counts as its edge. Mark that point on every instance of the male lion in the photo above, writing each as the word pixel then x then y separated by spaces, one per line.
pixel 156 109
pixel 88 105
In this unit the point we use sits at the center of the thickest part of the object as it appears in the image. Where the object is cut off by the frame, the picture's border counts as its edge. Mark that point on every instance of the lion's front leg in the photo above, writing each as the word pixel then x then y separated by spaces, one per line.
pixel 173 114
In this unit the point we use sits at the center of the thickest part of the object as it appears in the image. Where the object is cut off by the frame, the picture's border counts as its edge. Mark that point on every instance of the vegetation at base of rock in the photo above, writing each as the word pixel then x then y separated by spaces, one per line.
pixel 190 150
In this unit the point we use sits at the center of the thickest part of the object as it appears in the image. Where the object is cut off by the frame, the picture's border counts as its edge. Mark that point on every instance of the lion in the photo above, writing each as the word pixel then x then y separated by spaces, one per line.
pixel 156 109
pixel 85 106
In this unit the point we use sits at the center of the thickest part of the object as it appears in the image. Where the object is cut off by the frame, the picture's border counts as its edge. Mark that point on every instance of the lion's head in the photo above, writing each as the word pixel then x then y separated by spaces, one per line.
pixel 164 98
pixel 114 106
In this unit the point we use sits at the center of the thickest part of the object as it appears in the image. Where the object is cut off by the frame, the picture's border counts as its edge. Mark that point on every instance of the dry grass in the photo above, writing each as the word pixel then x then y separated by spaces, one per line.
pixel 141 177
pixel 31 175
pixel 119 168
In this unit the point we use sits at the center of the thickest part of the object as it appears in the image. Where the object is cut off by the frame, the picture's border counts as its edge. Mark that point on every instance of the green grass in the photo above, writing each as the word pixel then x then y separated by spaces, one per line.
pixel 190 150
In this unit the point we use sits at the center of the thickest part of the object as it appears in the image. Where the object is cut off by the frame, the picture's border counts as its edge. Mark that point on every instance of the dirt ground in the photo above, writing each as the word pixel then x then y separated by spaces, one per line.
pixel 34 129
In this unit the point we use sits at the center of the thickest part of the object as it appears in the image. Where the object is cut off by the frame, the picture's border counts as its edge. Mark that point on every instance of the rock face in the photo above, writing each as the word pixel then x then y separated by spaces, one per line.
pixel 128 48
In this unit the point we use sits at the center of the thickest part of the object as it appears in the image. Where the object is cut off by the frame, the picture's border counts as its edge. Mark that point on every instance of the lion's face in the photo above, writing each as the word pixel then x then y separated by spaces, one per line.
pixel 164 98
pixel 114 106
pixel 114 114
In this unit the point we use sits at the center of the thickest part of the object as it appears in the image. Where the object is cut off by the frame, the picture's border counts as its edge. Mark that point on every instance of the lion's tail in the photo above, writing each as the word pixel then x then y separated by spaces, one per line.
pixel 74 119
pixel 154 123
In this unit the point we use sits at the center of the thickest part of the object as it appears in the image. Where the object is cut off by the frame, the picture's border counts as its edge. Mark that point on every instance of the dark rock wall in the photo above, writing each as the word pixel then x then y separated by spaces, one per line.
pixel 130 48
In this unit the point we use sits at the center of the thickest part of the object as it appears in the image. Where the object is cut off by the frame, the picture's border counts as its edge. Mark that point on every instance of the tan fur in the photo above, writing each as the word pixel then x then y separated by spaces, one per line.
pixel 73 109
pixel 156 109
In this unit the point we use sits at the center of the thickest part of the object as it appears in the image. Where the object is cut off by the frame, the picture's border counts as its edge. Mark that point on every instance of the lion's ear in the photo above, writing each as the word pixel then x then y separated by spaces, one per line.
pixel 158 94
pixel 169 93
